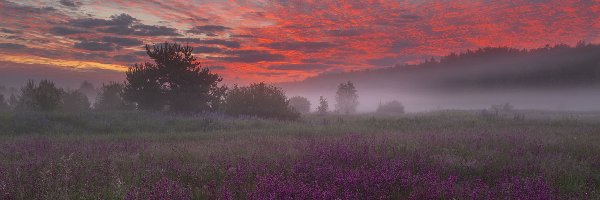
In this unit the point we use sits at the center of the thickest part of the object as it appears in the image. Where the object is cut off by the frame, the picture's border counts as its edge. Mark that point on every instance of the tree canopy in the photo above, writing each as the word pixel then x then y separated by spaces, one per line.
pixel 175 80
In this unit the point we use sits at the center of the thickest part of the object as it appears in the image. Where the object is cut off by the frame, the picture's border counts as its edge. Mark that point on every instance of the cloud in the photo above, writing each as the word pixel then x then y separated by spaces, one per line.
pixel 124 24
pixel 300 46
pixel 227 43
pixel 385 61
pixel 115 20
pixel 270 73
pixel 126 58
pixel 10 46
pixel 70 3
pixel 91 56
pixel 208 29
pixel 206 49
pixel 243 36
pixel 94 46
pixel 300 67
pixel 250 56
pixel 59 30
pixel 9 31
pixel 122 41
pixel 217 67
pixel 344 32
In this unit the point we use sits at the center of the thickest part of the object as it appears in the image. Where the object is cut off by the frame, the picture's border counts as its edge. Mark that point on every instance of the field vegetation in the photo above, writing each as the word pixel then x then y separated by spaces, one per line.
pixel 436 155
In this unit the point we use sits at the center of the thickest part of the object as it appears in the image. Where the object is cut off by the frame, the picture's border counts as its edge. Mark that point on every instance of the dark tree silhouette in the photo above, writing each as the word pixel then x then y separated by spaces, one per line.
pixel 323 106
pixel 300 104
pixel 175 79
pixel 75 101
pixel 42 97
pixel 259 99
pixel 110 98
pixel 346 98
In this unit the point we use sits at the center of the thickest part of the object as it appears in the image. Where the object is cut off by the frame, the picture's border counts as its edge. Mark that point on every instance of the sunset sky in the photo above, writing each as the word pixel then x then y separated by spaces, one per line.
pixel 272 41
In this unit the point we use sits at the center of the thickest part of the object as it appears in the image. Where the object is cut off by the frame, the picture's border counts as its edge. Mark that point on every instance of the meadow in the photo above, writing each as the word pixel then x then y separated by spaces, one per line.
pixel 433 155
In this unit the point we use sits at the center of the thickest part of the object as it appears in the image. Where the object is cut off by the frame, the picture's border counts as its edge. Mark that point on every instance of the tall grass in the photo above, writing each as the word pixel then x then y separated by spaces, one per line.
pixel 441 155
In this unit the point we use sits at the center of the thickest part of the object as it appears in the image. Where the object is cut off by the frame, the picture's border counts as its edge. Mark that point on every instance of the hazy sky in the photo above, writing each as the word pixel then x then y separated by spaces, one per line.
pixel 273 41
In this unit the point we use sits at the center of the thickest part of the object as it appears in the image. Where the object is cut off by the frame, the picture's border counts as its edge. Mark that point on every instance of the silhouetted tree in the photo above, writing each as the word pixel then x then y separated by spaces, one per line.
pixel 392 107
pixel 259 99
pixel 175 79
pixel 110 98
pixel 42 97
pixel 323 106
pixel 75 101
pixel 300 104
pixel 346 98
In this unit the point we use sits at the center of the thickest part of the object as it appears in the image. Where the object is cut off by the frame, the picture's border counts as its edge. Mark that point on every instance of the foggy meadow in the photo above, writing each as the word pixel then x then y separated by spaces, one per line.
pixel 153 100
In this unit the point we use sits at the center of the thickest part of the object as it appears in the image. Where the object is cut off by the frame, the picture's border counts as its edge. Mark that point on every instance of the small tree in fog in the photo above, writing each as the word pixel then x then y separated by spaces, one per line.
pixel 42 97
pixel 300 104
pixel 392 107
pixel 75 101
pixel 88 89
pixel 323 106
pixel 13 101
pixel 346 98
pixel 110 98
pixel 259 99
pixel 3 104
pixel 175 79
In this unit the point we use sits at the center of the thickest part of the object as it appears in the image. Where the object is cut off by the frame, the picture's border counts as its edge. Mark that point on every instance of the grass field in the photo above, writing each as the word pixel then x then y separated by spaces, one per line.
pixel 436 155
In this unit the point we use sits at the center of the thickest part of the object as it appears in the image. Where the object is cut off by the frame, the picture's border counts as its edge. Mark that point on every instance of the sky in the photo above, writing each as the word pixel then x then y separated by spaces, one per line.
pixel 272 41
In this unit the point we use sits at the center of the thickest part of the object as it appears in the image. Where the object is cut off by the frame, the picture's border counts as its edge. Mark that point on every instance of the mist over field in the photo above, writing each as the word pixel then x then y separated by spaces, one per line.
pixel 295 99
pixel 548 78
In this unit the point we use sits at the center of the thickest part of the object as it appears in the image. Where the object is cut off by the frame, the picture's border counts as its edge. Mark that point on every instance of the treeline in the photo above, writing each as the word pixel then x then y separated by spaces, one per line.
pixel 176 83
pixel 485 68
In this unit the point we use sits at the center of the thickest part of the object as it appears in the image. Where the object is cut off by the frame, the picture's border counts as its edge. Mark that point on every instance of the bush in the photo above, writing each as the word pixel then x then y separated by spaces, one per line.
pixel 75 101
pixel 260 100
pixel 300 104
pixel 110 98
pixel 42 97
pixel 392 107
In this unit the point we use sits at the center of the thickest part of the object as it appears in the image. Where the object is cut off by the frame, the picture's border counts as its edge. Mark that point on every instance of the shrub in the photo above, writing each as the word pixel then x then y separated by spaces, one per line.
pixel 75 101
pixel 261 100
pixel 300 104
pixel 392 107
pixel 110 98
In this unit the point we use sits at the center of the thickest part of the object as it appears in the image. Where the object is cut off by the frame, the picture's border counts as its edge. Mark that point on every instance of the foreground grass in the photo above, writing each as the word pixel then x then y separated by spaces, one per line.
pixel 441 155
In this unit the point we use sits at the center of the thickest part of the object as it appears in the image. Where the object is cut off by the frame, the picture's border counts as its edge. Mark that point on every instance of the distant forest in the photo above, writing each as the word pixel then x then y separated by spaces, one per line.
pixel 485 68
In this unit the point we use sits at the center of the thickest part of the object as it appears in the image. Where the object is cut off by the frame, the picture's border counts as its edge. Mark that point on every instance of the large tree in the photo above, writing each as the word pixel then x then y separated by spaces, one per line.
pixel 346 98
pixel 175 80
